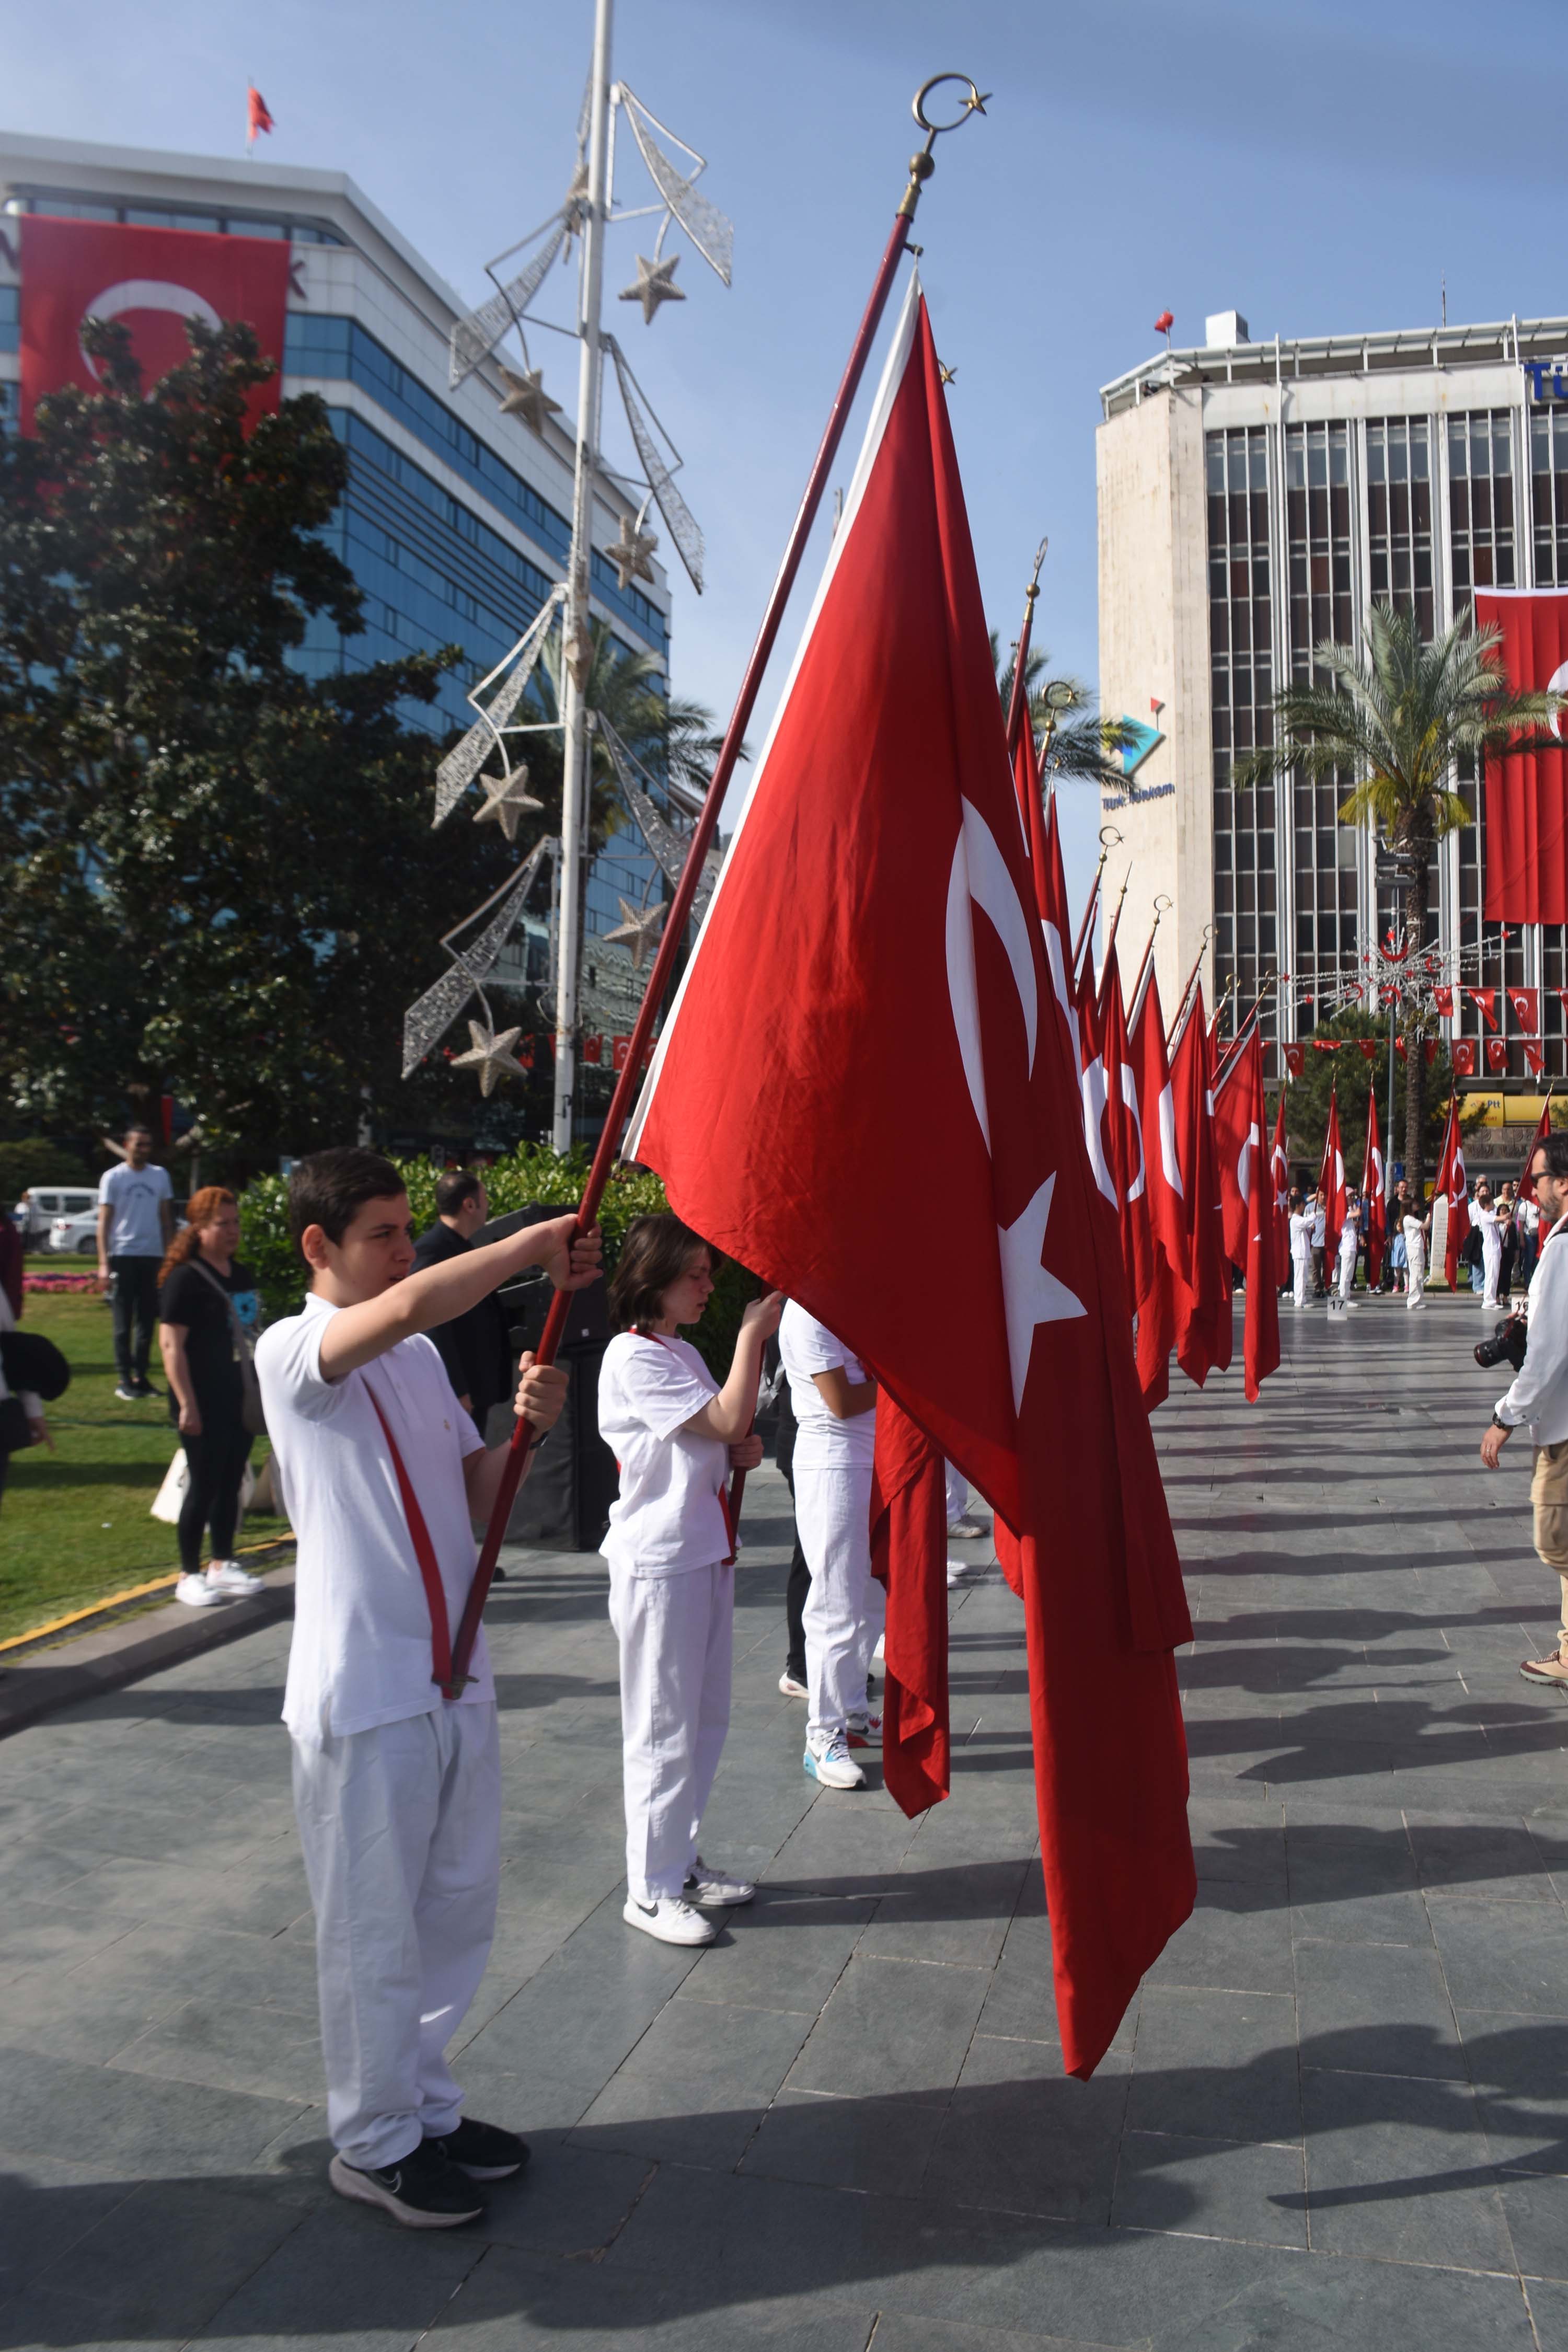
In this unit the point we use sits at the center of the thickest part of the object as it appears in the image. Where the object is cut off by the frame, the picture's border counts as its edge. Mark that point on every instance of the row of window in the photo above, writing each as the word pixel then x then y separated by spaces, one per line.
pixel 284 225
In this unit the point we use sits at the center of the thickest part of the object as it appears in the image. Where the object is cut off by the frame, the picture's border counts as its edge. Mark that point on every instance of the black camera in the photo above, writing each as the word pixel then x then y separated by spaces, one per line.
pixel 1506 1346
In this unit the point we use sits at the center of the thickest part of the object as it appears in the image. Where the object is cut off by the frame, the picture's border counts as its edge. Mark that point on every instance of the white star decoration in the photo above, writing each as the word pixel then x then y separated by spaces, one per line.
pixel 656 284
pixel 1031 1296
pixel 490 1056
pixel 639 928
pixel 629 553
pixel 506 799
pixel 526 397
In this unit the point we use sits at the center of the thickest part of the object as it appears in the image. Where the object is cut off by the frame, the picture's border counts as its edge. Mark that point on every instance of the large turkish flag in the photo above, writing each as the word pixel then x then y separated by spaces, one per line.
pixel 864 1093
pixel 150 280
pixel 1526 845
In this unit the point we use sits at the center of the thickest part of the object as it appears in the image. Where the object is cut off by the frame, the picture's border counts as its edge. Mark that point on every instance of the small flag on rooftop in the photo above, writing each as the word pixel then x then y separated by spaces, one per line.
pixel 257 116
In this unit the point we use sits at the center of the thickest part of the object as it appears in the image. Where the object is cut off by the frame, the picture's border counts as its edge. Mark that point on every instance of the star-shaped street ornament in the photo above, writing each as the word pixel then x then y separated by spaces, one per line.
pixel 507 799
pixel 656 284
pixel 525 396
pixel 639 928
pixel 1030 1294
pixel 490 1056
pixel 630 553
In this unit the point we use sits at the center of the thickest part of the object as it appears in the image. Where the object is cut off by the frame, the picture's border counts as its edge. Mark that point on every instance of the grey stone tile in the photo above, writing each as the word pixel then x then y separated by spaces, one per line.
pixel 169 2256
pixel 891 2026
pixel 128 1889
pixel 1022 2137
pixel 1215 2065
pixel 350 2278
pixel 786 1950
pixel 161 2129
pixel 46 2207
pixel 1375 2009
pixel 873 2144
pixel 1222 2189
pixel 1400 2169
pixel 48 2315
pixel 1502 1955
pixel 510 2305
pixel 38 1935
pixel 1520 2068
pixel 695 2086
pixel 960 1914
pixel 1238 1937
pixel 1382 2306
pixel 276 2052
pixel 1536 2208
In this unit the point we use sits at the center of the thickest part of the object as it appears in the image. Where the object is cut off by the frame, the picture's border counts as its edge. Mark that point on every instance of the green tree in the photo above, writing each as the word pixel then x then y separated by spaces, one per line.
pixel 1306 1097
pixel 213 866
pixel 1400 714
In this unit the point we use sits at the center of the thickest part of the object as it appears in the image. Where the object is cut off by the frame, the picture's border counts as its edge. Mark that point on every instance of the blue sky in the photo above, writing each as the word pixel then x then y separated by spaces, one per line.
pixel 1318 167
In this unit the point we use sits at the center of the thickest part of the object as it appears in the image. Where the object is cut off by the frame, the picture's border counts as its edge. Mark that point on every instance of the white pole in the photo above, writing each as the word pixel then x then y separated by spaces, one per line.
pixel 574 792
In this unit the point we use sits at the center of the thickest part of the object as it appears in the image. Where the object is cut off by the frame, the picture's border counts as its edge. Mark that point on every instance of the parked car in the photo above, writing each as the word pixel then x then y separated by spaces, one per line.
pixel 38 1207
pixel 76 1235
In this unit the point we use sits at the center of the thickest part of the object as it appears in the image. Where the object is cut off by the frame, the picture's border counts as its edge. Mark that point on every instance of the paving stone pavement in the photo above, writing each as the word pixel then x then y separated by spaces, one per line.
pixel 1335 2114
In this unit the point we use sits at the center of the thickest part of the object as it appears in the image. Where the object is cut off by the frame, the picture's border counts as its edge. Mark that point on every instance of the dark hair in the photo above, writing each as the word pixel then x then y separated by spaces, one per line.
pixel 653 1255
pixel 139 1126
pixel 1555 1147
pixel 455 1190
pixel 329 1187
pixel 1298 1197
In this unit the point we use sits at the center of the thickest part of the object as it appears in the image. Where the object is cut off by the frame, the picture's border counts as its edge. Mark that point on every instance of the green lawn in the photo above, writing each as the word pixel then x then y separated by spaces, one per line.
pixel 74 1524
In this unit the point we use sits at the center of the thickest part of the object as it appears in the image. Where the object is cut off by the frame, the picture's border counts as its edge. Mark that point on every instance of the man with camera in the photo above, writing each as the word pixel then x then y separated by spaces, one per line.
pixel 1538 1395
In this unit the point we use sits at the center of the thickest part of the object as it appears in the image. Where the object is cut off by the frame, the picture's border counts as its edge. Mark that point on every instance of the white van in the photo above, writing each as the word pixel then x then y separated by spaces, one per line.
pixel 38 1207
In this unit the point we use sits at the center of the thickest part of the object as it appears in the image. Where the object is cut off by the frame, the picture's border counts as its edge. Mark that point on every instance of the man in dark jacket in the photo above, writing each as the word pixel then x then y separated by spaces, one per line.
pixel 474 1347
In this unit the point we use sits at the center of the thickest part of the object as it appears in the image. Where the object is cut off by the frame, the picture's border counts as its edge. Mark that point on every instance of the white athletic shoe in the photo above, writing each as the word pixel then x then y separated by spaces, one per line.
pixel 792 1686
pixel 709 1887
pixel 831 1764
pixel 959 1569
pixel 878 1654
pixel 865 1730
pixel 671 1919
pixel 198 1593
pixel 227 1576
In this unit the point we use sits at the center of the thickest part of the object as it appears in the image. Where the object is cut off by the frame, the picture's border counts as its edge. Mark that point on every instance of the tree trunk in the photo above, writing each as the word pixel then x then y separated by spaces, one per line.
pixel 1416 901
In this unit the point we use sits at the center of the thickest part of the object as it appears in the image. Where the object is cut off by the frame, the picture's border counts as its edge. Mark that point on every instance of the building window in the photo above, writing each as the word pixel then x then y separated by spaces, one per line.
pixel 1399 515
pixel 60 206
pixel 1317 564
pixel 1549 495
pixel 1246 889
pixel 1481 549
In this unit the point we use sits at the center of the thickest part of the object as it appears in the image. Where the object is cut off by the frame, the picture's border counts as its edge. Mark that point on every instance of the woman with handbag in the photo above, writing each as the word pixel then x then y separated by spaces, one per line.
pixel 207 1308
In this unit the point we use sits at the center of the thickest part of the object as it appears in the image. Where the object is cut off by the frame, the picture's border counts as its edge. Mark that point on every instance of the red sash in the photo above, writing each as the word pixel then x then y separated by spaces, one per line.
pixel 450 1686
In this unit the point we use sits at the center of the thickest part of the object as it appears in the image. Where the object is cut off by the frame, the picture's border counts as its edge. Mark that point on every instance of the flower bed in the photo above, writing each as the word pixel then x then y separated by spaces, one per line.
pixel 60 1282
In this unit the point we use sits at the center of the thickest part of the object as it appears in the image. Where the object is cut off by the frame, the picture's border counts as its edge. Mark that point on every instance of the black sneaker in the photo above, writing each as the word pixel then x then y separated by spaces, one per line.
pixel 144 1388
pixel 484 2151
pixel 423 2190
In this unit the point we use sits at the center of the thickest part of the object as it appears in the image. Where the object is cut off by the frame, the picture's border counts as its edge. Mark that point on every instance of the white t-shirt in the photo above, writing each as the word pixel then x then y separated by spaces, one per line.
pixel 135 1229
pixel 668 1517
pixel 1350 1238
pixel 1301 1235
pixel 825 1442
pixel 361 1650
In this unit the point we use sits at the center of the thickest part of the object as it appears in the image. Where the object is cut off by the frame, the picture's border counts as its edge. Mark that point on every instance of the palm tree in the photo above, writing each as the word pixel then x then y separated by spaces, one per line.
pixel 1400 713
pixel 669 735
pixel 1062 710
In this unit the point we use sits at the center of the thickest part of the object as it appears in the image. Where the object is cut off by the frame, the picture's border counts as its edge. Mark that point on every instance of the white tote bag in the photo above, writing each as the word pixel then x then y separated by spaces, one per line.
pixel 171 1495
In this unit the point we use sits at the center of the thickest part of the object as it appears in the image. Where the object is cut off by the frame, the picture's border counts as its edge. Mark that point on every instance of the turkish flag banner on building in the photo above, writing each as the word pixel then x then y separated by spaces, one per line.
pixel 1444 999
pixel 1464 1058
pixel 1485 999
pixel 150 280
pixel 1534 1058
pixel 1295 1060
pixel 1497 1053
pixel 868 1026
pixel 1527 791
pixel 1525 1004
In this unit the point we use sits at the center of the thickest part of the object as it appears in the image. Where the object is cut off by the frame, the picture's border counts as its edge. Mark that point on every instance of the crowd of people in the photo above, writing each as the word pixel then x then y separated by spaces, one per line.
pixel 1499 1252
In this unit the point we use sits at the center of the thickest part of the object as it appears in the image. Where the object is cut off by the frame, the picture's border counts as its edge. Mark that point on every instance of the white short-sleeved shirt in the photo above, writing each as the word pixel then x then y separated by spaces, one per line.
pixel 1301 1235
pixel 825 1442
pixel 362 1651
pixel 668 1517
pixel 135 1229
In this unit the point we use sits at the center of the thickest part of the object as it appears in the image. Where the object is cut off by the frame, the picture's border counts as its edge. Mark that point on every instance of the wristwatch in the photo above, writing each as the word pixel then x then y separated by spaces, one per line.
pixel 1499 1423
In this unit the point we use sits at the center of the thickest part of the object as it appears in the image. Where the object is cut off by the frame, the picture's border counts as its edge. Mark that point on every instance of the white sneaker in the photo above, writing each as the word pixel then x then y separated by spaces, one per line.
pixel 865 1730
pixel 198 1593
pixel 227 1576
pixel 878 1654
pixel 833 1765
pixel 957 1571
pixel 792 1686
pixel 671 1919
pixel 711 1887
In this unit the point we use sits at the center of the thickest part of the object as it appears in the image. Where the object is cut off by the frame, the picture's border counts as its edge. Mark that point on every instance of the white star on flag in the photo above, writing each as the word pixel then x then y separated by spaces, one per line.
pixel 1031 1294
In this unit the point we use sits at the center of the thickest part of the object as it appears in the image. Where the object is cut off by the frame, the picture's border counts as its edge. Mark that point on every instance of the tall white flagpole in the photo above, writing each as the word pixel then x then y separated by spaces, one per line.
pixel 577 645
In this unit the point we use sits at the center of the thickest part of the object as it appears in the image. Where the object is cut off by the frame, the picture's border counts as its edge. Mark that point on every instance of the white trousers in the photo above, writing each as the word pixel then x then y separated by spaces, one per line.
pixel 677 1634
pixel 1492 1262
pixel 957 1493
pixel 845 1608
pixel 1303 1266
pixel 1416 1253
pixel 401 1832
pixel 1347 1274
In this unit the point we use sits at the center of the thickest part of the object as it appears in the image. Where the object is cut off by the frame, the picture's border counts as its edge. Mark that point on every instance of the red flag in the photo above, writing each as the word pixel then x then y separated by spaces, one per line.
pixel 1444 1000
pixel 909 1528
pixel 1542 1130
pixel 1279 1177
pixel 1331 1182
pixel 1202 1299
pixel 256 115
pixel 1497 1053
pixel 1464 1058
pixel 1240 1129
pixel 1295 1060
pixel 1526 1007
pixel 1368 1048
pixel 1167 1198
pixel 149 282
pixel 1534 1058
pixel 1486 998
pixel 879 877
pixel 1452 1185
pixel 1526 810
pixel 1125 1126
pixel 1374 1196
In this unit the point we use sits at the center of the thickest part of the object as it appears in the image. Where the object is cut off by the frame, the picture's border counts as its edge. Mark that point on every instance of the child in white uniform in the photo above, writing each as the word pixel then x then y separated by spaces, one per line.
pixel 1483 1213
pixel 1415 1256
pixel 1350 1241
pixel 1300 1247
pixel 676 1435
pixel 835 1405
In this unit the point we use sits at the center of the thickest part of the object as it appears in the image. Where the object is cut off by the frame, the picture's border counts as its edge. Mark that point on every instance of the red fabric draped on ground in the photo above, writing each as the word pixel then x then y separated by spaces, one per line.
pixel 908 1552
pixel 864 1093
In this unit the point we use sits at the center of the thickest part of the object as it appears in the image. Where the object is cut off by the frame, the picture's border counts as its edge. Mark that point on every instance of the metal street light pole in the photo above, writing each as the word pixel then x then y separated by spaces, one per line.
pixel 577 640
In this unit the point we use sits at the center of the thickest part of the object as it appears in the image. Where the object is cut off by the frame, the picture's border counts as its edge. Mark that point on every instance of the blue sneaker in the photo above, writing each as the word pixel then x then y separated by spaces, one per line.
pixel 831 1764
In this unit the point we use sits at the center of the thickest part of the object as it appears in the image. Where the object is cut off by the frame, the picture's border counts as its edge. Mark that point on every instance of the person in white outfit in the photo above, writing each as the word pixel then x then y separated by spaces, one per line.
pixel 834 1401
pixel 1301 1245
pixel 1483 1213
pixel 1414 1231
pixel 396 1762
pixel 1350 1242
pixel 676 1435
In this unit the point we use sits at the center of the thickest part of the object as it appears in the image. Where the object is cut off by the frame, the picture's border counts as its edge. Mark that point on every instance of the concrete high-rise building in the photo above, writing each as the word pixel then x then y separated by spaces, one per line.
pixel 1255 499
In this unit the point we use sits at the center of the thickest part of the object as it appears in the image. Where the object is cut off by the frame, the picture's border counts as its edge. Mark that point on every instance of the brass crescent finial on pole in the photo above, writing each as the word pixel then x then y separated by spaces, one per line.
pixel 923 164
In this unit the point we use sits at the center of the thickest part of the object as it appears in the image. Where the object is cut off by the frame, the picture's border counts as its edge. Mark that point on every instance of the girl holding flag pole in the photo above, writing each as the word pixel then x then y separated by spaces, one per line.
pixel 675 1434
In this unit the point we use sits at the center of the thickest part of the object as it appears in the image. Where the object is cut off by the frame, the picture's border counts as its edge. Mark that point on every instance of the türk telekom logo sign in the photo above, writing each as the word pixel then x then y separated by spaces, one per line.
pixel 151 280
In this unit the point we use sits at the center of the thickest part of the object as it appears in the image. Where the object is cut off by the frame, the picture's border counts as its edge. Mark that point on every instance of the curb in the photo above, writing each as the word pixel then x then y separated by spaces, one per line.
pixel 118 1654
